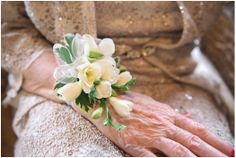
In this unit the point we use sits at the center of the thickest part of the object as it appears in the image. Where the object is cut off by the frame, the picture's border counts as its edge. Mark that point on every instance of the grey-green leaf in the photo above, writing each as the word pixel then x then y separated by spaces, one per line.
pixel 68 38
pixel 68 41
pixel 63 54
pixel 58 85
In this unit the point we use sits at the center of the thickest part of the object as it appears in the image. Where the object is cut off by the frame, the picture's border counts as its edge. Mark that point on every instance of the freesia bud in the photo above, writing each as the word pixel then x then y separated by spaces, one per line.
pixel 70 91
pixel 97 113
pixel 124 77
pixel 122 107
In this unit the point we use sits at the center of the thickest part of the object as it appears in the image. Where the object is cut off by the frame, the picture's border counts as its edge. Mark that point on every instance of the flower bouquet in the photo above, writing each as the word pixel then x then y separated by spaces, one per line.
pixel 88 76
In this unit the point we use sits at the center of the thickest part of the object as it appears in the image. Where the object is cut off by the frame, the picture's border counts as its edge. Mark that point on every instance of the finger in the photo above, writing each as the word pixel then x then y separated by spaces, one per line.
pixel 199 130
pixel 172 148
pixel 138 151
pixel 132 96
pixel 194 143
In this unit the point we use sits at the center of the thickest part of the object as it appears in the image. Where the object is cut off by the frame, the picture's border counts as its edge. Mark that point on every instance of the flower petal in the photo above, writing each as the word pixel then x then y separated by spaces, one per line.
pixel 109 70
pixel 85 86
pixel 90 40
pixel 78 45
pixel 124 77
pixel 103 90
pixel 107 47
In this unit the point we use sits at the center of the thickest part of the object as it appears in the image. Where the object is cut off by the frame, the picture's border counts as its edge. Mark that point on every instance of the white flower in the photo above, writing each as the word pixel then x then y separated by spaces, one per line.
pixel 78 46
pixel 88 73
pixel 70 91
pixel 103 90
pixel 105 47
pixel 122 107
pixel 124 77
pixel 109 70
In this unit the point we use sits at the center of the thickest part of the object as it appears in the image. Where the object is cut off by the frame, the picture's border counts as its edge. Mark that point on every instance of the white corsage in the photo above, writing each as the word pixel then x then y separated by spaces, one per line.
pixel 89 76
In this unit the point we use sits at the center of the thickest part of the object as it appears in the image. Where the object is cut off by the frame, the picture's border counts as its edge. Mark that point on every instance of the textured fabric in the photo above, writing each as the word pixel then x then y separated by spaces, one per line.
pixel 53 20
pixel 45 128
pixel 21 43
pixel 129 19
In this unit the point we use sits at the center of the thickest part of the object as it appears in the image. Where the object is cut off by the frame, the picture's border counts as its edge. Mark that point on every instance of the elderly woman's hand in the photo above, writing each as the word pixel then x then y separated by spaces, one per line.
pixel 153 126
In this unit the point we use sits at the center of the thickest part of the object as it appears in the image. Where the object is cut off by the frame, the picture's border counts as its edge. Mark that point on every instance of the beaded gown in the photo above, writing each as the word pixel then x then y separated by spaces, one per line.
pixel 155 41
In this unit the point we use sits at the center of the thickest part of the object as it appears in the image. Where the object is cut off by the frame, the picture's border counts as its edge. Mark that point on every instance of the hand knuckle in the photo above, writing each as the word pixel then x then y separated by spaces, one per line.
pixel 194 142
pixel 172 131
pixel 179 150
pixel 201 130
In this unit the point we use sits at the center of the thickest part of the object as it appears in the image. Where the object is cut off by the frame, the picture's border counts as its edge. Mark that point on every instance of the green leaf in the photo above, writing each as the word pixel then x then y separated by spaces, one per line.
pixel 130 82
pixel 64 54
pixel 124 87
pixel 118 126
pixel 92 95
pixel 83 101
pixel 107 121
pixel 58 85
pixel 120 87
pixel 113 93
pixel 103 102
pixel 93 55
pixel 117 60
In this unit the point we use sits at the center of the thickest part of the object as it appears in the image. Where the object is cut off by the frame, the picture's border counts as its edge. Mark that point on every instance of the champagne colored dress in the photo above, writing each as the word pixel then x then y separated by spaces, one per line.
pixel 155 41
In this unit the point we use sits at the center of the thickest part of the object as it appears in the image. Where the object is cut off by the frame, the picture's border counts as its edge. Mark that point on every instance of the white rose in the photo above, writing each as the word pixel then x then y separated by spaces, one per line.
pixel 122 107
pixel 105 47
pixel 70 91
pixel 88 73
pixel 124 77
pixel 103 90
pixel 109 70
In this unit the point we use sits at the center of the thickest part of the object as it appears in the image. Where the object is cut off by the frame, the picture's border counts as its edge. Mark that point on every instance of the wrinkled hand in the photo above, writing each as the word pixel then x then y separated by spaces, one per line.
pixel 38 78
pixel 153 126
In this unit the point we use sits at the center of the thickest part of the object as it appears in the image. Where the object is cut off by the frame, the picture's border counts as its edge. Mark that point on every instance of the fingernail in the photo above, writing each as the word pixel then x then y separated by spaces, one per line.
pixel 232 153
pixel 186 114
